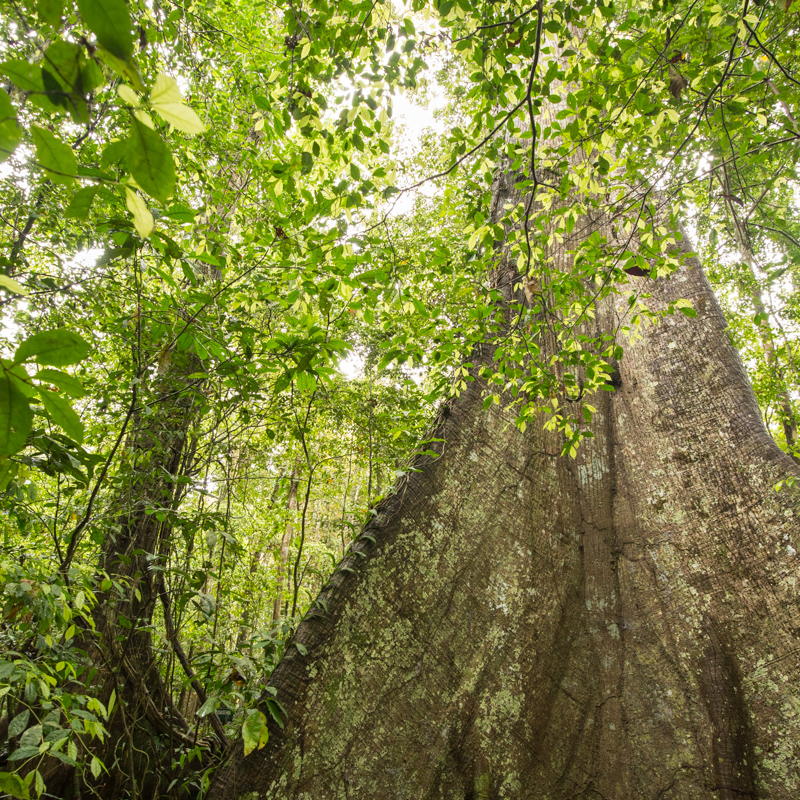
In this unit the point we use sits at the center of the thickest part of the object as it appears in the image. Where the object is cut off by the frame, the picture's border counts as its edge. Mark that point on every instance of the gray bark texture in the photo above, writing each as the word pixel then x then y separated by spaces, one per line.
pixel 619 626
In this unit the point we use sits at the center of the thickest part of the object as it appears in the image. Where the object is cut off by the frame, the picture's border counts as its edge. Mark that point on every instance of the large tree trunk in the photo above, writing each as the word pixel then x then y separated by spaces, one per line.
pixel 623 625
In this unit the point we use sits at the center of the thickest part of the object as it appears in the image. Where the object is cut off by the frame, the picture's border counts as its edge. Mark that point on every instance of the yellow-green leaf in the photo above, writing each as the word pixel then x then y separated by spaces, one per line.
pixel 12 285
pixel 128 95
pixel 166 100
pixel 254 731
pixel 142 218
pixel 180 116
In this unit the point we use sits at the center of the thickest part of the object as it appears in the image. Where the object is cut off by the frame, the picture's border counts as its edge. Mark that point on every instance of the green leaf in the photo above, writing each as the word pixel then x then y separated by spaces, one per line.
pixel 50 11
pixel 10 131
pixel 62 77
pixel 96 766
pixel 306 382
pixel 81 203
pixel 113 153
pixel 31 737
pixel 23 753
pixel 25 76
pixel 54 348
pixel 166 100
pixel 62 413
pixel 15 422
pixel 110 22
pixel 19 723
pixel 210 704
pixel 142 218
pixel 12 285
pixel 150 161
pixel 14 785
pixel 57 159
pixel 127 69
pixel 67 383
pixel 39 783
pixel 254 731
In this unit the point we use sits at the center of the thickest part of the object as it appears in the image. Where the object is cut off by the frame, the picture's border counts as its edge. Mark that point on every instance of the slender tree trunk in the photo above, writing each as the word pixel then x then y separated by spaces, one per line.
pixel 286 540
pixel 521 625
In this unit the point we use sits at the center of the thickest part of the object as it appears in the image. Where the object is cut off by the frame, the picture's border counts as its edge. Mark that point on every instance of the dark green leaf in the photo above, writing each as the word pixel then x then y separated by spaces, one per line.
pixel 150 161
pixel 113 153
pixel 62 414
pixel 81 202
pixel 50 11
pixel 62 77
pixel 110 22
pixel 15 419
pixel 10 132
pixel 54 348
pixel 23 753
pixel 25 76
pixel 19 723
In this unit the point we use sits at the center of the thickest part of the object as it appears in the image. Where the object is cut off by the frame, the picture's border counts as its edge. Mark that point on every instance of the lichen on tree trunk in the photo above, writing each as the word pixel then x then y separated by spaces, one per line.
pixel 622 625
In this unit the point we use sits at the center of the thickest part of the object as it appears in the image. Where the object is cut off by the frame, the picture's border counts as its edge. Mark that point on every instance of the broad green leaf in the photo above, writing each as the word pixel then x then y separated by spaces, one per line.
pixel 54 348
pixel 180 116
pixel 166 100
pixel 207 707
pixel 25 76
pixel 113 153
pixel 67 383
pixel 15 422
pixel 110 22
pixel 31 737
pixel 81 202
pixel 128 95
pixel 57 159
pixel 165 90
pixel 62 62
pixel 13 785
pixel 142 218
pixel 62 413
pixel 19 723
pixel 96 766
pixel 254 731
pixel 50 11
pixel 10 132
pixel 306 382
pixel 150 161
pixel 19 377
pixel 12 285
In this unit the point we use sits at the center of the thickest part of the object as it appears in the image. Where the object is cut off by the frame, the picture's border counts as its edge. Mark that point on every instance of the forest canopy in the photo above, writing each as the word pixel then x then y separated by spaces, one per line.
pixel 237 290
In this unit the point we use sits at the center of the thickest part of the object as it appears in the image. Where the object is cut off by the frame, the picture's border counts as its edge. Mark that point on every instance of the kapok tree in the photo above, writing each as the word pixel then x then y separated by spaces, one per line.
pixel 515 622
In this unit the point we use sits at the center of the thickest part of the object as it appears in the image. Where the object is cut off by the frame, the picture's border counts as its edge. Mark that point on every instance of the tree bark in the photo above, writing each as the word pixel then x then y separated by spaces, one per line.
pixel 623 625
